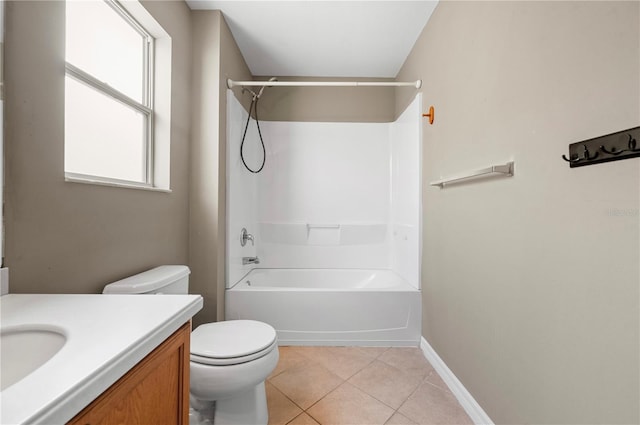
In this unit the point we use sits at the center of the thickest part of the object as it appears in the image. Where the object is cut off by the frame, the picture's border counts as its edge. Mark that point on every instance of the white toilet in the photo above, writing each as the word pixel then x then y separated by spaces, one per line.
pixel 229 360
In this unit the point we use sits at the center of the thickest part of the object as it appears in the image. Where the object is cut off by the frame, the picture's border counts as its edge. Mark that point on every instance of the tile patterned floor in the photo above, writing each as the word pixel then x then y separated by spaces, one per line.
pixel 359 386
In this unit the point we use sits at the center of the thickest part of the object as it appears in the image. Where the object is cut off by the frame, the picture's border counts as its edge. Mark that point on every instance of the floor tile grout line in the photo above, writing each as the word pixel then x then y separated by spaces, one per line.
pixel 312 363
pixel 410 395
pixel 313 417
pixel 386 404
pixel 383 402
pixel 298 415
pixel 426 380
pixel 314 403
pixel 360 389
pixel 359 370
pixel 401 371
pixel 371 360
pixel 287 397
pixel 318 420
pixel 321 398
pixel 317 401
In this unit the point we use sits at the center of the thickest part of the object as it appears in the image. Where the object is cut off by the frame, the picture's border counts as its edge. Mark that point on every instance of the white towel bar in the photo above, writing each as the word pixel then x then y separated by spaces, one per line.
pixel 506 169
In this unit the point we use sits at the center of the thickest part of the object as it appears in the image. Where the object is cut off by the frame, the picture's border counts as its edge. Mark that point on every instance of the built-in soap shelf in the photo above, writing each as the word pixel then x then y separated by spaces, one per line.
pixel 323 234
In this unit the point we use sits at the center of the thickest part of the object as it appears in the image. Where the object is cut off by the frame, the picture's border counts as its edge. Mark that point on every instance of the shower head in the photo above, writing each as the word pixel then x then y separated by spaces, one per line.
pixel 257 96
pixel 262 89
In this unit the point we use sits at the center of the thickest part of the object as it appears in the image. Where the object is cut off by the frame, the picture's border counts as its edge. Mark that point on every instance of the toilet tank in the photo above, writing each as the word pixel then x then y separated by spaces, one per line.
pixel 161 280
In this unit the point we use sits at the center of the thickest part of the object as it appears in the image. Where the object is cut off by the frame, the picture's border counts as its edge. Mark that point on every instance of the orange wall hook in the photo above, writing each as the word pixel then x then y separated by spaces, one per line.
pixel 431 114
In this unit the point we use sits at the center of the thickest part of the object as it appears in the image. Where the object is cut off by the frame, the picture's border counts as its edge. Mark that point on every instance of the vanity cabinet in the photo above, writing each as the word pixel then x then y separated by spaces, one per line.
pixel 155 391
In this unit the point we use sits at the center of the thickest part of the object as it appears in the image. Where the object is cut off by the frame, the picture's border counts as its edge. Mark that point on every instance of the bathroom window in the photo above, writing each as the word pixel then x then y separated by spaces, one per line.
pixel 109 99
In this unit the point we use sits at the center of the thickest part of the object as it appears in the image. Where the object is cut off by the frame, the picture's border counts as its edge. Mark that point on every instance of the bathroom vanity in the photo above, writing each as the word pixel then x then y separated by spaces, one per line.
pixel 95 359
pixel 155 391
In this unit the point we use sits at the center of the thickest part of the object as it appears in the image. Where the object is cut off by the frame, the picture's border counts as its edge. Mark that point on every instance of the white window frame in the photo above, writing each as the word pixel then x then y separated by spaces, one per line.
pixel 145 107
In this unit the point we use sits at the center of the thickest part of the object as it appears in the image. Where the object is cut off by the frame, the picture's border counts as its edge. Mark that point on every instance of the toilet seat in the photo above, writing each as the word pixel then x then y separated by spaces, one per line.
pixel 231 342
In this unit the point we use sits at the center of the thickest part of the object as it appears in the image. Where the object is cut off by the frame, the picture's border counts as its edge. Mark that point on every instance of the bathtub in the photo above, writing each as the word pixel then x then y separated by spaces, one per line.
pixel 330 306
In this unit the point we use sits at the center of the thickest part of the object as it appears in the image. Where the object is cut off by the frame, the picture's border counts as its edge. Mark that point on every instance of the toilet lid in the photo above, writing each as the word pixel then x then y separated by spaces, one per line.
pixel 231 339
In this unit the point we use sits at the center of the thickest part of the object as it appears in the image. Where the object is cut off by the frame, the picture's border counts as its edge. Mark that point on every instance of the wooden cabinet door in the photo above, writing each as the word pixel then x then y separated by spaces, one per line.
pixel 155 391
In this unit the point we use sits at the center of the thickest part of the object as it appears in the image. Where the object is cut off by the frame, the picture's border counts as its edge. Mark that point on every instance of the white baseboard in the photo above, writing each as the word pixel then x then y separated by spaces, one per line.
pixel 469 404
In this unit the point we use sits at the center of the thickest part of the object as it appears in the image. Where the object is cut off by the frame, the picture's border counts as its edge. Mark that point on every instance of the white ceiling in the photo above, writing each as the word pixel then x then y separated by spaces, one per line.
pixel 324 38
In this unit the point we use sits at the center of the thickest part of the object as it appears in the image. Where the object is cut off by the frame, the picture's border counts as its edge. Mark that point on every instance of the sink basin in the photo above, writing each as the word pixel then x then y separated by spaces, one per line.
pixel 25 349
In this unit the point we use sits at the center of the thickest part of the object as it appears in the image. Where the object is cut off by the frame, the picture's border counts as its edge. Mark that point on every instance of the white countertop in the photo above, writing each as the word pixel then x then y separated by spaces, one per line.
pixel 106 336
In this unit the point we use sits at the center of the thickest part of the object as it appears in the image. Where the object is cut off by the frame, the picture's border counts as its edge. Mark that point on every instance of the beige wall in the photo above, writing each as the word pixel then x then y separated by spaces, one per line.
pixel 70 237
pixel 531 283
pixel 216 58
pixel 327 104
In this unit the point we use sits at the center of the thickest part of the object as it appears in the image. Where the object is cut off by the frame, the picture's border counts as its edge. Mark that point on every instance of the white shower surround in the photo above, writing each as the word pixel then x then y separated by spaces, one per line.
pixel 332 196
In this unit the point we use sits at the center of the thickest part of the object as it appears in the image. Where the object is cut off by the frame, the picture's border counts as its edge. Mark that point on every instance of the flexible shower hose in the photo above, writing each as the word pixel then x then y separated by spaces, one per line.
pixel 254 101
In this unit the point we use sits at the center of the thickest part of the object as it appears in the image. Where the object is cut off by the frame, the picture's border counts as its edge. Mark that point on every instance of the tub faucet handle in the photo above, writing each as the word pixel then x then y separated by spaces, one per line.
pixel 245 236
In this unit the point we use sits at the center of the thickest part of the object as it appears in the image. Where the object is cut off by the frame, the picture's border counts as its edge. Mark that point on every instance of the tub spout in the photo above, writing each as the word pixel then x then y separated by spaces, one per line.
pixel 250 260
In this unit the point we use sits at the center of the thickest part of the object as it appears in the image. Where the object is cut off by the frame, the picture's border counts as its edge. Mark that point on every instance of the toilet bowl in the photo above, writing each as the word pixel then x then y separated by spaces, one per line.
pixel 229 361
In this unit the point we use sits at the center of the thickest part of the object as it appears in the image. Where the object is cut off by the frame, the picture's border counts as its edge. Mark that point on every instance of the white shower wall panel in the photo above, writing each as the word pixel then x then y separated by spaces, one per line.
pixel 406 193
pixel 323 197
pixel 325 172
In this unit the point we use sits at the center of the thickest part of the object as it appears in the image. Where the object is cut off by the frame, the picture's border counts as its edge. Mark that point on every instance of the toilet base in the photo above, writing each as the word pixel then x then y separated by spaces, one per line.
pixel 197 418
pixel 201 412
pixel 249 407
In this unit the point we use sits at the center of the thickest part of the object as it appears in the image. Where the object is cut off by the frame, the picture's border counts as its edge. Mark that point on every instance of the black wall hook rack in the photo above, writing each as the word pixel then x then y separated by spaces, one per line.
pixel 612 147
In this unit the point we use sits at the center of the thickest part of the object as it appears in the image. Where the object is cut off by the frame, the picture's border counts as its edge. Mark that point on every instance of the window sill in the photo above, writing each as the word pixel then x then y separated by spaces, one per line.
pixel 113 183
